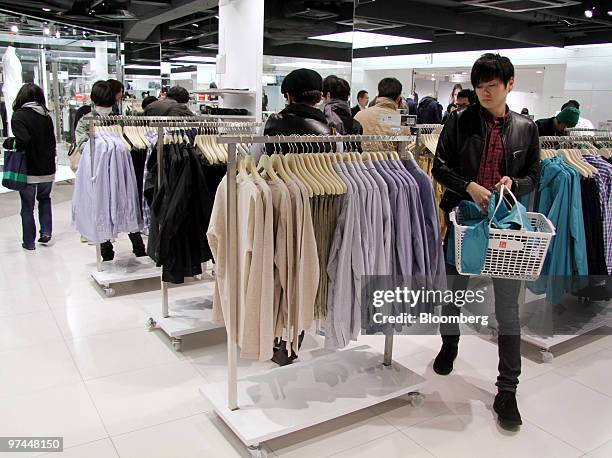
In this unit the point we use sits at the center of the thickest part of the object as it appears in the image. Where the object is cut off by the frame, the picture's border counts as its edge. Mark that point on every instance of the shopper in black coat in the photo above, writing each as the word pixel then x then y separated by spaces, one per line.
pixel 34 135
pixel 429 111
pixel 303 90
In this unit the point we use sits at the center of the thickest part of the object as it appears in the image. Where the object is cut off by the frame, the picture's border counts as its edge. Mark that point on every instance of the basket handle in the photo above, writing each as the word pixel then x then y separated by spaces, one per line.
pixel 501 198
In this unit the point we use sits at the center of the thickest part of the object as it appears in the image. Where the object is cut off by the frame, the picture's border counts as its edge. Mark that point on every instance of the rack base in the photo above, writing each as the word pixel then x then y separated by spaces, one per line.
pixel 125 269
pixel 187 316
pixel 300 395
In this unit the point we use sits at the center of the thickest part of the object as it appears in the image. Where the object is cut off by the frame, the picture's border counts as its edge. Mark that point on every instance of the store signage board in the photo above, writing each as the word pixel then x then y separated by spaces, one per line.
pixel 391 120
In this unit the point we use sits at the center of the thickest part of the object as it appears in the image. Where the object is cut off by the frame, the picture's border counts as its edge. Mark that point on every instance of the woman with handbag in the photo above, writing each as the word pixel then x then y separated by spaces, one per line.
pixel 34 135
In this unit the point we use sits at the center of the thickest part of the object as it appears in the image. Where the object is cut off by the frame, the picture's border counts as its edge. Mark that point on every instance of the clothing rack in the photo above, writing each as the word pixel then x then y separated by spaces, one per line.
pixel 261 417
pixel 121 270
pixel 186 320
pixel 600 317
pixel 420 129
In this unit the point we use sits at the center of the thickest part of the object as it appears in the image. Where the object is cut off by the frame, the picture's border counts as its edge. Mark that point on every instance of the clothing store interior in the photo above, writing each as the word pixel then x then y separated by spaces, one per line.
pixel 306 228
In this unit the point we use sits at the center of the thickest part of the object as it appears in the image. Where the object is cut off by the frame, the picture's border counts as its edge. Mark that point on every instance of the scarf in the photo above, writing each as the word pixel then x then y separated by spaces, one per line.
pixel 37 107
pixel 329 109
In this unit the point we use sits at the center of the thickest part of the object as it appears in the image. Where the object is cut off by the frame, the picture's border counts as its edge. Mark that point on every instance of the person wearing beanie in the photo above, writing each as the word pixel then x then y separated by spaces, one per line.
pixel 303 89
pixel 555 126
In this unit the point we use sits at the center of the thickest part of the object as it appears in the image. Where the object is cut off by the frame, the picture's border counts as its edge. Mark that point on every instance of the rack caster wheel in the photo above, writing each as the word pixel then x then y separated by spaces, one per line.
pixel 151 324
pixel 416 399
pixel 547 356
pixel 176 343
pixel 109 292
pixel 257 452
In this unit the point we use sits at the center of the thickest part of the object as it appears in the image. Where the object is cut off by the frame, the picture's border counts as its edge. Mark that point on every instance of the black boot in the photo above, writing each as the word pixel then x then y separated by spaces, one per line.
pixel 507 410
pixel 443 364
pixel 106 249
pixel 138 247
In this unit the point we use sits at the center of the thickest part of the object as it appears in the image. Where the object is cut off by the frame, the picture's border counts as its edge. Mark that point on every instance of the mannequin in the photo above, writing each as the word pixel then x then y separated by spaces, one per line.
pixel 11 66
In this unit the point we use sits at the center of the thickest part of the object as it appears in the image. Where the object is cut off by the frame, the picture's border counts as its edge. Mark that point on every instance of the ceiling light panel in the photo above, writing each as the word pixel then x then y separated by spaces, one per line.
pixel 361 40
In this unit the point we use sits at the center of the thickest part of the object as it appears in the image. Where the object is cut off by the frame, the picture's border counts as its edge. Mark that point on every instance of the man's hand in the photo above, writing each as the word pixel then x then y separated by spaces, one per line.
pixel 506 181
pixel 480 195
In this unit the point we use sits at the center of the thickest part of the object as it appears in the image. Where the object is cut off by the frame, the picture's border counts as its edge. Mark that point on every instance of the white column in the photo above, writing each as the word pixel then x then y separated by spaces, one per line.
pixel 240 65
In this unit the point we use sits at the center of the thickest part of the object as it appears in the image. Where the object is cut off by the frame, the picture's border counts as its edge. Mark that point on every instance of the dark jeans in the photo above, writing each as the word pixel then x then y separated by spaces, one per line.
pixel 42 193
pixel 507 316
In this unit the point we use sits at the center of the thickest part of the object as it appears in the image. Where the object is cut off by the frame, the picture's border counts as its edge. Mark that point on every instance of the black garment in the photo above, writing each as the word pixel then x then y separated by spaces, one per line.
pixel 429 111
pixel 180 213
pixel 506 314
pixel 462 143
pixel 412 106
pixel 167 107
pixel 593 227
pixel 34 135
pixel 354 110
pixel 139 158
pixel 351 126
pixel 546 127
pixel 297 119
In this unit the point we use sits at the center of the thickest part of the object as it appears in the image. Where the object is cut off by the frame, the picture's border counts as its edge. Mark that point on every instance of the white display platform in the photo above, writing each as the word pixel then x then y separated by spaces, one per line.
pixel 188 316
pixel 126 269
pixel 303 394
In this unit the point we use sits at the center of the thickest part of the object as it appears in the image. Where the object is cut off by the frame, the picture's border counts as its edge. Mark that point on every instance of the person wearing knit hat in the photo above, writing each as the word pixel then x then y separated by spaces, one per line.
pixel 303 89
pixel 568 117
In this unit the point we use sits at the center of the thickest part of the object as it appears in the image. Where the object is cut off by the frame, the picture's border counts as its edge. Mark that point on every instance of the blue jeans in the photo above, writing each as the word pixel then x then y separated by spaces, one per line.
pixel 42 193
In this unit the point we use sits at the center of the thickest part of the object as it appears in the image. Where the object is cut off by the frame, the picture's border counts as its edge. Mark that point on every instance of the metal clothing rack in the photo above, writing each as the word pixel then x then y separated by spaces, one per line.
pixel 261 418
pixel 185 318
pixel 420 129
pixel 599 317
pixel 120 270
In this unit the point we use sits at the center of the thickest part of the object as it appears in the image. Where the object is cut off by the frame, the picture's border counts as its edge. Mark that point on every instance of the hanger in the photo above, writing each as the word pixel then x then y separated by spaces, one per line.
pixel 571 161
pixel 304 168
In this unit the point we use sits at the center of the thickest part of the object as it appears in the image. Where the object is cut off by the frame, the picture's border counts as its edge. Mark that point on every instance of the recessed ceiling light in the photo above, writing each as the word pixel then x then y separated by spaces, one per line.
pixel 47 31
pixel 539 71
pixel 195 25
pixel 14 29
pixel 433 79
pixel 57 34
pixel 464 73
pixel 588 13
pixel 460 33
pixel 362 40
pixel 46 10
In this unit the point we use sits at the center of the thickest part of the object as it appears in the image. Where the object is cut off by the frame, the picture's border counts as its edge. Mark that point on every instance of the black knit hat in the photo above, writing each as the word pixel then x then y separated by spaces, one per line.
pixel 302 80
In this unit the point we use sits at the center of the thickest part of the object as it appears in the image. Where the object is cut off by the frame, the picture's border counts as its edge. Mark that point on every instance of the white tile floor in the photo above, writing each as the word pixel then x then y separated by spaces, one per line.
pixel 77 364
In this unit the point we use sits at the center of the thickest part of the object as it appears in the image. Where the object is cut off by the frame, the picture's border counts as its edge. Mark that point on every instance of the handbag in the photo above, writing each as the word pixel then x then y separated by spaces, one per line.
pixel 15 174
pixel 74 154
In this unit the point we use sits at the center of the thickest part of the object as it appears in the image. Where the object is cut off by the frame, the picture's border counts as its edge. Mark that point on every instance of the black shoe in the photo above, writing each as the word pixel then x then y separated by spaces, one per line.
pixel 107 252
pixel 443 364
pixel 138 247
pixel 507 410
pixel 44 239
pixel 29 248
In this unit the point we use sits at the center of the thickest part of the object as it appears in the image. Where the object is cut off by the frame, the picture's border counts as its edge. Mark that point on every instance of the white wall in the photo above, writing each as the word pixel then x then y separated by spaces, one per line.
pixel 576 72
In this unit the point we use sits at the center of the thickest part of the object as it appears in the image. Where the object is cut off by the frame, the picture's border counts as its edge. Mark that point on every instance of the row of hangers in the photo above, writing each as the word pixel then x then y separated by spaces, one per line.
pixel 205 143
pixel 315 170
pixel 574 158
pixel 132 135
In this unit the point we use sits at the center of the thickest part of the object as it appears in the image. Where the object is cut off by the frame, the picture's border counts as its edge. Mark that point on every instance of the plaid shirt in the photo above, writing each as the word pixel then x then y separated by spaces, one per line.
pixel 604 184
pixel 489 173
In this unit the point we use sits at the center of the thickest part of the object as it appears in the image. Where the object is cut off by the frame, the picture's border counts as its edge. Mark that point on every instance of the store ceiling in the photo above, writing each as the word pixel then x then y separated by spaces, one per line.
pixel 191 26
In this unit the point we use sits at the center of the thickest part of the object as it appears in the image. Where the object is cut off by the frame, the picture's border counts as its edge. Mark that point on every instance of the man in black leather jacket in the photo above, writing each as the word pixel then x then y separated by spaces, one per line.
pixel 303 90
pixel 481 148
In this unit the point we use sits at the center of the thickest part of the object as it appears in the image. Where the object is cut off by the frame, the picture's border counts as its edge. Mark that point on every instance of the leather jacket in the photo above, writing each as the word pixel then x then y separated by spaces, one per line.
pixel 297 119
pixel 462 144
